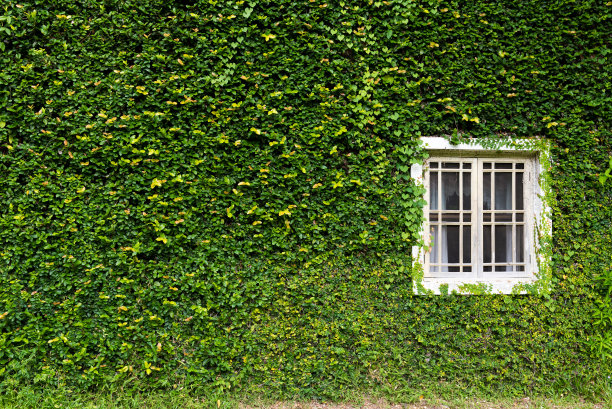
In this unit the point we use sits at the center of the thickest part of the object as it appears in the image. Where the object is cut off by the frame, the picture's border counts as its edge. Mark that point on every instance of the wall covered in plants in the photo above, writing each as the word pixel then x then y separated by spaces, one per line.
pixel 219 191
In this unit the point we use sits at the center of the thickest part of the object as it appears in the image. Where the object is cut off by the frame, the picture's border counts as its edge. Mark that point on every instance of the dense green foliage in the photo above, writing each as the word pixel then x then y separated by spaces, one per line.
pixel 219 191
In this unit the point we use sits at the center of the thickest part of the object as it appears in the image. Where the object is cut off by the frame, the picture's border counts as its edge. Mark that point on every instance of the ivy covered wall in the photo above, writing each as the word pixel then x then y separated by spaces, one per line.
pixel 220 192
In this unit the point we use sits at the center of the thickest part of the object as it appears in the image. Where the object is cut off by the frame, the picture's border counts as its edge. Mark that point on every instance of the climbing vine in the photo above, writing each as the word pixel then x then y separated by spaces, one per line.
pixel 219 192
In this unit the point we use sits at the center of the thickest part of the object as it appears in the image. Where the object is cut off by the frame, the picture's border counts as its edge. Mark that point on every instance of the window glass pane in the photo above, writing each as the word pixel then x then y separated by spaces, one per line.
pixel 503 244
pixel 451 217
pixel 503 217
pixel 519 217
pixel 487 165
pixel 467 166
pixel 486 217
pixel 433 252
pixel 467 217
pixel 520 252
pixel 503 191
pixel 433 165
pixel 467 191
pixel 433 190
pixel 486 191
pixel 450 190
pixel 467 269
pixel 486 244
pixel 519 191
pixel 503 166
pixel 433 217
pixel 467 244
pixel 520 166
pixel 450 244
pixel 447 165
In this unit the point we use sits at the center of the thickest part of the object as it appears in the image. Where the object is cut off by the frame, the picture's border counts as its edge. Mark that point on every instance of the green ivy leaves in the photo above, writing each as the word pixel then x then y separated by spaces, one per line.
pixel 220 192
pixel 607 173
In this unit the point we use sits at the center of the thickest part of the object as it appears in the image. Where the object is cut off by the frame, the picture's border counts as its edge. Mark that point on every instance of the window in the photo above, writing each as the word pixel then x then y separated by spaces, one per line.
pixel 480 218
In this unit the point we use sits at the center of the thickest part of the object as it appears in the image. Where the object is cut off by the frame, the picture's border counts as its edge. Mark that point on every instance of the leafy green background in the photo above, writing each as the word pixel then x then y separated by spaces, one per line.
pixel 218 191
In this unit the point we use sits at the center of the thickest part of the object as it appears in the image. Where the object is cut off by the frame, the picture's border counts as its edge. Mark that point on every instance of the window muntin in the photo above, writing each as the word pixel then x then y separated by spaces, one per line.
pixel 476 218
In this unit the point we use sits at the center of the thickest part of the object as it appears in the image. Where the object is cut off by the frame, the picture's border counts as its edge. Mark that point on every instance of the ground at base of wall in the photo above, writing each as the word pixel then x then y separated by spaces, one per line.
pixel 523 403
pixel 50 398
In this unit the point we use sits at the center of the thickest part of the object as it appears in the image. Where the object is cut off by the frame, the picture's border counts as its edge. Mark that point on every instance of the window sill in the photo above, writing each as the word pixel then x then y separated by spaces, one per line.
pixel 509 286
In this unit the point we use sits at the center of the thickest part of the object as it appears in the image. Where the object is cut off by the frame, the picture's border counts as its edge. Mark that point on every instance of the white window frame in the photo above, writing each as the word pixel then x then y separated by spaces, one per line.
pixel 536 215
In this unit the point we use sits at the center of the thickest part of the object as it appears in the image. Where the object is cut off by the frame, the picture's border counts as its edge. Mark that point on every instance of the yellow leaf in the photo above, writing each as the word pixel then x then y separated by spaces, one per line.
pixel 156 182
pixel 255 223
pixel 268 36
pixel 244 184
pixel 162 239
pixel 257 131
pixel 316 185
